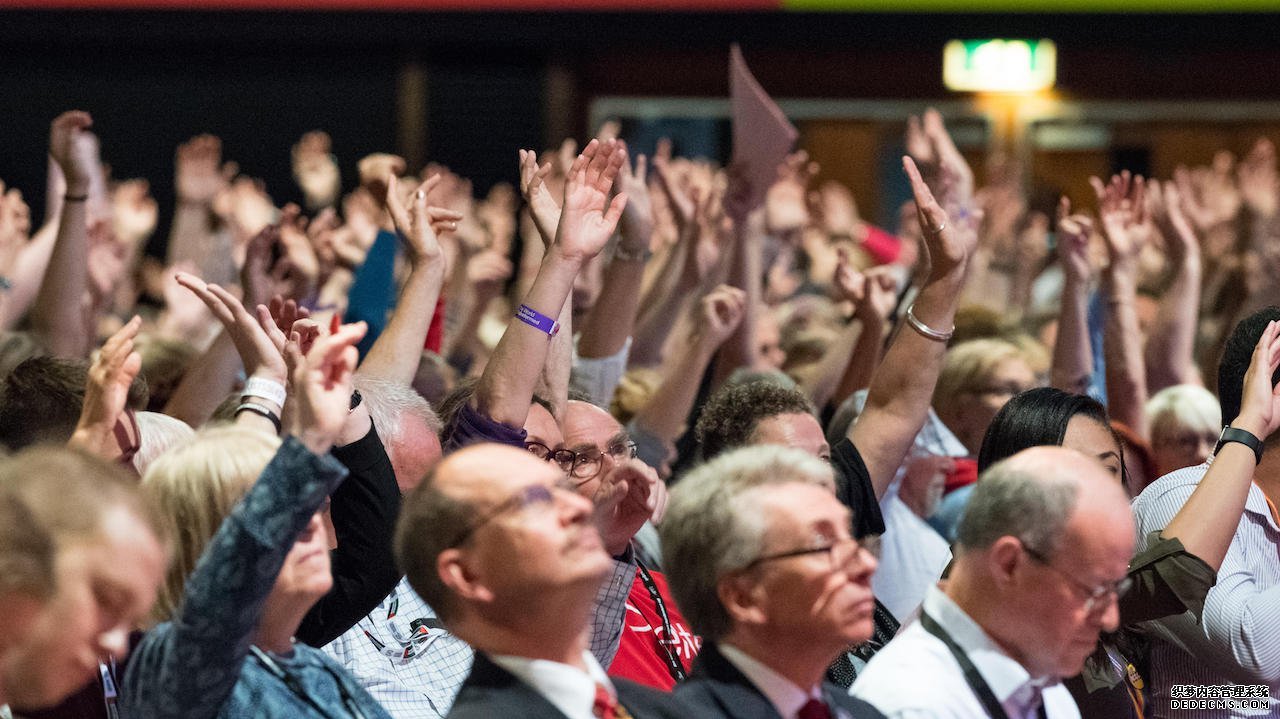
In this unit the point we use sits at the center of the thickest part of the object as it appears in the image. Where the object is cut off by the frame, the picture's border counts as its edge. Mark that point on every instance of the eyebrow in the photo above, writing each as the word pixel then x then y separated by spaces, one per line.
pixel 1105 455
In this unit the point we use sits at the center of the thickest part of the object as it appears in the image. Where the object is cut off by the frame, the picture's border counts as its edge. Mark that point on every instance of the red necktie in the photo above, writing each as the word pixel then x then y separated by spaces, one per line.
pixel 605 706
pixel 814 709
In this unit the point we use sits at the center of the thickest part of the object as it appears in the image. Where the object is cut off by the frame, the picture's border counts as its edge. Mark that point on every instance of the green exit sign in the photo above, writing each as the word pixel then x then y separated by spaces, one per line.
pixel 999 65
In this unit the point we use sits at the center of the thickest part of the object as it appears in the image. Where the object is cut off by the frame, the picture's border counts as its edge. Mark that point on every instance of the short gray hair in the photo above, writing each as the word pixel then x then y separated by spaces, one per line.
pixel 1011 501
pixel 387 402
pixel 714 526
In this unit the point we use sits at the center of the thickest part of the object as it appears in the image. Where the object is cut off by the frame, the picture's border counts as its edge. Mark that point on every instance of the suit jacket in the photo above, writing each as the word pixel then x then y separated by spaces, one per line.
pixel 716 688
pixel 491 691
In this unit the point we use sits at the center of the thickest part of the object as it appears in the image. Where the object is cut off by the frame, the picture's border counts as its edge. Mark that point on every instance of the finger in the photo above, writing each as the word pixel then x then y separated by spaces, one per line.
pixel 614 213
pixel 1098 188
pixel 642 168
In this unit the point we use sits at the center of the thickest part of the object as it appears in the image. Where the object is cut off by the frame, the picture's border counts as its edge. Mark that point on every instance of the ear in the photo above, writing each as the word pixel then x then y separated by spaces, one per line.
pixel 742 599
pixel 1003 558
pixel 459 577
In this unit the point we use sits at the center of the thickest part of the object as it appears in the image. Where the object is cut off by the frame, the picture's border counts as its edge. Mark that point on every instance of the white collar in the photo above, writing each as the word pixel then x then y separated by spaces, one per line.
pixel 1004 674
pixel 571 690
pixel 785 695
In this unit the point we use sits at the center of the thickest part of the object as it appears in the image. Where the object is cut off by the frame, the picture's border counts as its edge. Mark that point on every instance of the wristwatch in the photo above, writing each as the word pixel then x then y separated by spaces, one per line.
pixel 1248 439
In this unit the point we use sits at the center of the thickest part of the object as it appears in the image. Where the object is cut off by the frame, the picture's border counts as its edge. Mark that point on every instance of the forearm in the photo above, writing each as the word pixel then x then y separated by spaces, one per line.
pixel 659 311
pixel 332 299
pixel 665 414
pixel 56 316
pixel 506 387
pixel 613 317
pixel 1072 351
pixel 557 371
pixel 28 274
pixel 206 383
pixel 902 386
pixel 1170 343
pixel 821 385
pixel 394 356
pixel 740 349
pixel 1126 374
pixel 864 360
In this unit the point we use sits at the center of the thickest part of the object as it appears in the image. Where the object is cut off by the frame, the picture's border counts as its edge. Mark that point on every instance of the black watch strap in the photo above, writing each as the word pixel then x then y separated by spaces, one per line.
pixel 1248 439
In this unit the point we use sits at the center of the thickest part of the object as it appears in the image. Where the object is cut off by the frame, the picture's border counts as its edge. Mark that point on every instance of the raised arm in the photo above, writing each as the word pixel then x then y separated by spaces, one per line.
pixel 587 221
pixel 1170 347
pixel 227 591
pixel 57 315
pixel 613 317
pixel 1126 227
pixel 1072 352
pixel 715 317
pixel 200 177
pixel 902 386
pixel 871 310
pixel 394 356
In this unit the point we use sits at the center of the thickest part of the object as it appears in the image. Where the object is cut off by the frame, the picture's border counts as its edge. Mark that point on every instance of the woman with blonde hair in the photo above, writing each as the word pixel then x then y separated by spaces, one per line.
pixel 1184 421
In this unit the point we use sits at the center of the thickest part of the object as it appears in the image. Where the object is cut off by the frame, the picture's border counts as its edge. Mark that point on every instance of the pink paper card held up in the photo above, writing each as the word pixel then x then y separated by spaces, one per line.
pixel 762 135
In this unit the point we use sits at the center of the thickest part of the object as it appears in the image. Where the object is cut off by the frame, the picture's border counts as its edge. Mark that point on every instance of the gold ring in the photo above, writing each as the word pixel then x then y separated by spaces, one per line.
pixel 938 231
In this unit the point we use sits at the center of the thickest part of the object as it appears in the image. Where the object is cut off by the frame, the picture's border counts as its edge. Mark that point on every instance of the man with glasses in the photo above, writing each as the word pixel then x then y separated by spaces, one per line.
pixel 1042 556
pixel 511 559
pixel 762 561
pixel 657 647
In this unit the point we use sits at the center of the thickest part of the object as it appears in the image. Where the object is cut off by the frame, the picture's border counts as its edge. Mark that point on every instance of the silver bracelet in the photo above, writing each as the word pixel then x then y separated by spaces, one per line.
pixel 925 330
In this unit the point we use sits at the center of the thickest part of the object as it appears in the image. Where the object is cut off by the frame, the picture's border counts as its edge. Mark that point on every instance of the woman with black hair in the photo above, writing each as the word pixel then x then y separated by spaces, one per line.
pixel 1180 564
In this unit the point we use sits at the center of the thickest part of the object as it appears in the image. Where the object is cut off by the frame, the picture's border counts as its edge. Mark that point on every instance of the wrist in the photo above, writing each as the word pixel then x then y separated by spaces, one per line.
pixel 1251 423
pixel 317 440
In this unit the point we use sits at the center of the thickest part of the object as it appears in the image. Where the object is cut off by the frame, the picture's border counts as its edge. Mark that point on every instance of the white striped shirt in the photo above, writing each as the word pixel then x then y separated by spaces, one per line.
pixel 1238 639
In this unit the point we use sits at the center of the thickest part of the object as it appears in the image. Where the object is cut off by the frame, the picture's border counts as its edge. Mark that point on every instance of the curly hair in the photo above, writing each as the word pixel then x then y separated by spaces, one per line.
pixel 730 416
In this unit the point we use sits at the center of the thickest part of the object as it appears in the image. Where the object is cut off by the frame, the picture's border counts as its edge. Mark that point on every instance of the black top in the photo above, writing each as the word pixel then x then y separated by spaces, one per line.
pixel 491 691
pixel 854 489
pixel 364 510
pixel 717 689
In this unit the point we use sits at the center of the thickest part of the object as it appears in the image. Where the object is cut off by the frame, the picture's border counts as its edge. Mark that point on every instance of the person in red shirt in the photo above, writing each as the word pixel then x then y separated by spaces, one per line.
pixel 657 647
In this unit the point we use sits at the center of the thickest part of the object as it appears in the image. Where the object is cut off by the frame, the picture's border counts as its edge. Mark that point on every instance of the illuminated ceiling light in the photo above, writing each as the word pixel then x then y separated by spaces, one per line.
pixel 999 65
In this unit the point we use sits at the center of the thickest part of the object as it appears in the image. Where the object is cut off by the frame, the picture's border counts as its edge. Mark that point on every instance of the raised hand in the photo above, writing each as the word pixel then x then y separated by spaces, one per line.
pixel 949 247
pixel 542 205
pixel 316 170
pixel 637 216
pixel 955 177
pixel 321 381
pixel 679 202
pixel 1168 209
pixel 107 391
pixel 785 204
pixel 281 317
pixel 718 314
pixel 199 171
pixel 1259 400
pixel 588 218
pixel 835 210
pixel 75 150
pixel 134 212
pixel 15 227
pixel 374 170
pixel 628 496
pixel 1126 225
pixel 1074 232
pixel 1259 181
pixel 257 351
pixel 421 227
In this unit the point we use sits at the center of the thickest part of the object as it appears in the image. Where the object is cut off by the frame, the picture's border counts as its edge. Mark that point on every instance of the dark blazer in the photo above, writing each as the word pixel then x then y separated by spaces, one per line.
pixel 716 688
pixel 491 691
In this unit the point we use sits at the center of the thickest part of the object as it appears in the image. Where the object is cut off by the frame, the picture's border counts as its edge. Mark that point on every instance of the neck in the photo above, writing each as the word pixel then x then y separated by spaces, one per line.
pixel 975 600
pixel 803 663
pixel 279 622
pixel 541 630
pixel 1267 475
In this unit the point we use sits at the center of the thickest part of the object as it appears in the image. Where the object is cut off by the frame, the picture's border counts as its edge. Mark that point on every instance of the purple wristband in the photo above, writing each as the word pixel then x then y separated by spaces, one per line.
pixel 533 318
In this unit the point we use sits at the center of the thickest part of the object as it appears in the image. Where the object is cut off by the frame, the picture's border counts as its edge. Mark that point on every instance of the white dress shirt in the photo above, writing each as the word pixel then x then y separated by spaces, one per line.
pixel 1237 640
pixel 568 688
pixel 785 695
pixel 916 677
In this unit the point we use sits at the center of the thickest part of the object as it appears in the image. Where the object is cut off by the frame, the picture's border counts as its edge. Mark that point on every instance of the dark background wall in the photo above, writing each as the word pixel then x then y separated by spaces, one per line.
pixel 494 81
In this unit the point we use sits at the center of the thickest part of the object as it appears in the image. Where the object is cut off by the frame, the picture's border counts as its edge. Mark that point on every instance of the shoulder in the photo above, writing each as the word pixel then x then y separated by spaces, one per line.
pixel 1164 497
pixel 895 678
pixel 856 707
pixel 647 703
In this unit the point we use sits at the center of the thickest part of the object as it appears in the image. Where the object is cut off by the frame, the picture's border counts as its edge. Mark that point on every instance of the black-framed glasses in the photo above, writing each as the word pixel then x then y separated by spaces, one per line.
pixel 531 496
pixel 840 552
pixel 587 464
pixel 564 458
pixel 1095 596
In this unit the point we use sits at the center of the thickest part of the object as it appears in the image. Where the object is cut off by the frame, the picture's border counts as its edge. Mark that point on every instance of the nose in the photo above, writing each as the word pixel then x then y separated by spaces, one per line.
pixel 1109 618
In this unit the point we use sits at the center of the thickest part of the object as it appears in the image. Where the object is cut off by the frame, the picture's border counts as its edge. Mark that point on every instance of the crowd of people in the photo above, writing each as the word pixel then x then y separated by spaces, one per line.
pixel 639 437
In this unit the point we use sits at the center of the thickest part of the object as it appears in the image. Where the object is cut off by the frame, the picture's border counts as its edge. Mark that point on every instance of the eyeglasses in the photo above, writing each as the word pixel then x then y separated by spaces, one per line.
pixel 564 458
pixel 534 495
pixel 1095 597
pixel 840 552
pixel 587 464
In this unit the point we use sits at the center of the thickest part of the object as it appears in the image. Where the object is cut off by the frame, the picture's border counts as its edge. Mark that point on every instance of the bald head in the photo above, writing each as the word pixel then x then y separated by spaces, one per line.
pixel 1033 494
